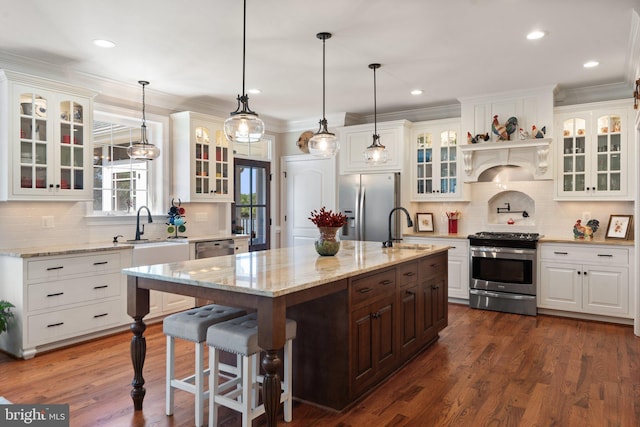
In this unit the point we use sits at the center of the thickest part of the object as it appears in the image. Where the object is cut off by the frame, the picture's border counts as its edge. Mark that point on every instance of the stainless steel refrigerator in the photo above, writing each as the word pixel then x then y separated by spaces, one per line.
pixel 367 200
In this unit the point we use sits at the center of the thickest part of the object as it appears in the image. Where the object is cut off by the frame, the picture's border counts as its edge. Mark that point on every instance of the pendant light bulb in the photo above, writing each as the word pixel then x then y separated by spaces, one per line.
pixel 376 153
pixel 143 149
pixel 323 143
pixel 244 125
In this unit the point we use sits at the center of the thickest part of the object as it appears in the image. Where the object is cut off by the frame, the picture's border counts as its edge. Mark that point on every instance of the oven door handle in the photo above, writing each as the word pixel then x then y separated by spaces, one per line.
pixel 501 295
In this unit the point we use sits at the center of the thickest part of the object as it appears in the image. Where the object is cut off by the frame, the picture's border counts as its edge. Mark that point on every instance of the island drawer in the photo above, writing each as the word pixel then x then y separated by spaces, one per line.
pixel 364 288
pixel 407 273
pixel 433 266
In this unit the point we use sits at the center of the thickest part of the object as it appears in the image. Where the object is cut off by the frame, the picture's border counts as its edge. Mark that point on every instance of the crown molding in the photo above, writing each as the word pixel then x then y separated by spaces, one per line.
pixel 584 95
pixel 632 65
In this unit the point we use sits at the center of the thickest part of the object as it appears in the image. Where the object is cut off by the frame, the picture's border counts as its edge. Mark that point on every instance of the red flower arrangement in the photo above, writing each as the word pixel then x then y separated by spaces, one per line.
pixel 327 218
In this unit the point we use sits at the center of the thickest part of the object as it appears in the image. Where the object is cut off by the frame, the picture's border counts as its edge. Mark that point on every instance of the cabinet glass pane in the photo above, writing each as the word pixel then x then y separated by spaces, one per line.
pixel 568 164
pixel 580 163
pixel 453 169
pixel 615 162
pixel 78 182
pixel 77 157
pixel 26 156
pixel 420 188
pixel 65 155
pixel 41 154
pixel 602 182
pixel 615 182
pixel 427 155
pixel 452 154
pixel 420 171
pixel 567 184
pixel 444 154
pixel 429 186
pixel 444 169
pixel 444 185
pixel 602 162
pixel 454 184
pixel 78 114
pixel 428 171
pixel 615 142
pixel 580 145
pixel 41 177
pixel 603 143
pixel 580 182
pixel 202 135
pixel 65 179
pixel 26 177
pixel 420 156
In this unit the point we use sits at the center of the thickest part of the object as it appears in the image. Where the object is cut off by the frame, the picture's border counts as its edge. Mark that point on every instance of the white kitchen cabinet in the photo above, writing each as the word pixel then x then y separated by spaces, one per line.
pixel 458 262
pixel 45 139
pixel 61 299
pixel 355 139
pixel 434 159
pixel 202 158
pixel 590 279
pixel 594 152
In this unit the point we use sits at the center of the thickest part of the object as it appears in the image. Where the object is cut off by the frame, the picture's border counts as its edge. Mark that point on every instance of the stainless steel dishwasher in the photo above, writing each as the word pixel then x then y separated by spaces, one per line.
pixel 213 248
pixel 209 249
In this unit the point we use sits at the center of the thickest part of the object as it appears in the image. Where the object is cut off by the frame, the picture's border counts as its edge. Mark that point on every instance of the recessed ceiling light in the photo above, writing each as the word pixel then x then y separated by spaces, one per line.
pixel 104 43
pixel 591 64
pixel 416 92
pixel 254 91
pixel 535 35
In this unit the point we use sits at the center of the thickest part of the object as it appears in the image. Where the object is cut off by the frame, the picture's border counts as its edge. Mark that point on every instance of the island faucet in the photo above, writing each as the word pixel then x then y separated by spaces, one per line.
pixel 389 243
pixel 140 232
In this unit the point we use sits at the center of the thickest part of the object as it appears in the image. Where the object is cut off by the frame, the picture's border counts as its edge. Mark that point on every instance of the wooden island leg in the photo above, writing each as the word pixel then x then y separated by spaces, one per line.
pixel 271 386
pixel 138 354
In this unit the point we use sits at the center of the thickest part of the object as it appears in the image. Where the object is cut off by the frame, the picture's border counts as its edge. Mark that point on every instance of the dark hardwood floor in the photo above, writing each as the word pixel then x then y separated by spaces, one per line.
pixel 487 369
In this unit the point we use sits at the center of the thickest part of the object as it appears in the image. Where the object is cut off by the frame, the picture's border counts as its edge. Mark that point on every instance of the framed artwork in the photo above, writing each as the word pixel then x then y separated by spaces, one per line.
pixel 619 227
pixel 424 221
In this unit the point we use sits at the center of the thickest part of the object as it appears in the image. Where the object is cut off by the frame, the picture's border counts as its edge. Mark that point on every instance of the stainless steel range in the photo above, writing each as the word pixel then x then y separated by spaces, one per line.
pixel 502 270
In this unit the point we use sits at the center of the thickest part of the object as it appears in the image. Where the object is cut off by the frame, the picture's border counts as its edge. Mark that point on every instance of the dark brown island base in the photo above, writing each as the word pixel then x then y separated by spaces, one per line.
pixel 361 314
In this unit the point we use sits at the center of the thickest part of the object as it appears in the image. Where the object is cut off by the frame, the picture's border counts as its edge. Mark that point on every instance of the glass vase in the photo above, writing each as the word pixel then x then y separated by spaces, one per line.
pixel 327 243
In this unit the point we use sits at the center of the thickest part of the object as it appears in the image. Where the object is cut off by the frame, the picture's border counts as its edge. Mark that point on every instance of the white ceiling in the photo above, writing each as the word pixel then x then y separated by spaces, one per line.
pixel 192 50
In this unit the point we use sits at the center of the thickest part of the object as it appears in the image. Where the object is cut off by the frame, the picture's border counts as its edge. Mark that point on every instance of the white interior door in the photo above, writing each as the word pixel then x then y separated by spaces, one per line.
pixel 308 183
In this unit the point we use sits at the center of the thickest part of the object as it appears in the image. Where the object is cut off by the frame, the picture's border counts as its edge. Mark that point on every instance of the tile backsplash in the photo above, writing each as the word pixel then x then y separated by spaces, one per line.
pixel 546 216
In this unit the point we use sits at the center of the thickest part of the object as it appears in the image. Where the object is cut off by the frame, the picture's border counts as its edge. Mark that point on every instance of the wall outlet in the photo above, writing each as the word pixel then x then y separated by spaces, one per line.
pixel 47 222
pixel 201 217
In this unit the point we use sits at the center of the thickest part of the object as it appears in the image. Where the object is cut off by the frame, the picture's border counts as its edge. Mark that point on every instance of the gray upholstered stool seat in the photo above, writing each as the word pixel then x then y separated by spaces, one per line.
pixel 240 336
pixel 192 325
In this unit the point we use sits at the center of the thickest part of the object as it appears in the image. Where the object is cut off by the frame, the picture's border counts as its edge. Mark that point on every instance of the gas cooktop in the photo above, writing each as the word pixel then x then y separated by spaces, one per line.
pixel 496 235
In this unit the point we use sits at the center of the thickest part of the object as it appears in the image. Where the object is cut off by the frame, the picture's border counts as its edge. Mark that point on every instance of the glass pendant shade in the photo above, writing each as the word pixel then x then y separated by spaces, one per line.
pixel 244 125
pixel 143 149
pixel 323 143
pixel 376 153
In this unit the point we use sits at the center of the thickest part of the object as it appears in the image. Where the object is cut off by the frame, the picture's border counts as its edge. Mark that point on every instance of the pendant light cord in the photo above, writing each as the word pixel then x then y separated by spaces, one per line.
pixel 375 109
pixel 324 41
pixel 244 43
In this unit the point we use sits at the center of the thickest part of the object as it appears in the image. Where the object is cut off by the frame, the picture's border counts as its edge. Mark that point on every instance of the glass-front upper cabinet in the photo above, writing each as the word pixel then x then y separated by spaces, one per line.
pixel 594 154
pixel 202 158
pixel 434 160
pixel 47 159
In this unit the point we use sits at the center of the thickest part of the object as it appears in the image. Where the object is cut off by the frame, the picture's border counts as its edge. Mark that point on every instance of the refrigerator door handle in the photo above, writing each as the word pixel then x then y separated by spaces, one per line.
pixel 361 200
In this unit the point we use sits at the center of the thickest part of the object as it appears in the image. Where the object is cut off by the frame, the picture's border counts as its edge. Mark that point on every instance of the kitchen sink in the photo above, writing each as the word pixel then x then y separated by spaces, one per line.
pixel 159 251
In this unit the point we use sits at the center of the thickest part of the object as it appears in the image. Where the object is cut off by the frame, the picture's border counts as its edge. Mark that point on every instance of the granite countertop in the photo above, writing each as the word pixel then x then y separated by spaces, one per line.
pixel 435 235
pixel 79 248
pixel 600 240
pixel 278 272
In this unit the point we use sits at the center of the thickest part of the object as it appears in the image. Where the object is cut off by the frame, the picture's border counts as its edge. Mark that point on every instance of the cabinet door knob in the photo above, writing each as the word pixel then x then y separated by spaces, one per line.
pixel 579 273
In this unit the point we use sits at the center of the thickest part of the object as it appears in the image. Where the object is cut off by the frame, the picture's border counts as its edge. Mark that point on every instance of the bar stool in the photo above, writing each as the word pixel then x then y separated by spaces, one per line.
pixel 192 325
pixel 240 336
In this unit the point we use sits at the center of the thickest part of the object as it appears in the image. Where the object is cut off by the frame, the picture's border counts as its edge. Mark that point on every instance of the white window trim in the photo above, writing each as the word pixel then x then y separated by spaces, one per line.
pixel 159 179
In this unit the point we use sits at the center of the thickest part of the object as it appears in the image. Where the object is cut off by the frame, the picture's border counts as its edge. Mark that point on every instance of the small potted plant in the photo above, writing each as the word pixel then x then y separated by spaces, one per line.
pixel 328 224
pixel 5 315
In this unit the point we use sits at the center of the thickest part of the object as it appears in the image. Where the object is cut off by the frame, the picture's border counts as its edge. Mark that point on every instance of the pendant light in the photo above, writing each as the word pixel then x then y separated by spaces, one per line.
pixel 323 143
pixel 143 149
pixel 375 153
pixel 244 125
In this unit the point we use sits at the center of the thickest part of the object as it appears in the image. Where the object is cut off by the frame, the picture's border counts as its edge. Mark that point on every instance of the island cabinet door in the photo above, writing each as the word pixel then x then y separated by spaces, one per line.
pixel 372 337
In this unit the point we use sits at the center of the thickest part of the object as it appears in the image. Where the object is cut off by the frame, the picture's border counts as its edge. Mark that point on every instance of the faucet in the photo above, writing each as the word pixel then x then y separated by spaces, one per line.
pixel 389 243
pixel 140 232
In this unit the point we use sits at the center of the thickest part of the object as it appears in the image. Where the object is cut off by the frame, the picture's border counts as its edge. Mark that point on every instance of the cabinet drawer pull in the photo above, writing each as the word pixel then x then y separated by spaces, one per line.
pixel 101 263
pixel 435 287
pixel 101 287
pixel 560 253
pixel 409 293
pixel 55 295
pixel 409 273
pixel 364 290
pixel 606 255
pixel 100 315
pixel 386 282
pixel 55 324
pixel 55 268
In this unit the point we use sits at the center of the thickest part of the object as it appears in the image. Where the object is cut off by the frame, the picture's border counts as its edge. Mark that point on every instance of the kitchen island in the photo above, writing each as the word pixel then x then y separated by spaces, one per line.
pixel 392 299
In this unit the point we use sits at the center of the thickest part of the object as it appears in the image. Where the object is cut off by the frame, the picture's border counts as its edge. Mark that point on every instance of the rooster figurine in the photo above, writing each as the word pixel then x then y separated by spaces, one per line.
pixel 538 133
pixel 504 131
pixel 524 134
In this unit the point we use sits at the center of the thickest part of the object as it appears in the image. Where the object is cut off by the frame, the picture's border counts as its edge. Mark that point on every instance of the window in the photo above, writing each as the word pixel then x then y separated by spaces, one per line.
pixel 251 208
pixel 122 185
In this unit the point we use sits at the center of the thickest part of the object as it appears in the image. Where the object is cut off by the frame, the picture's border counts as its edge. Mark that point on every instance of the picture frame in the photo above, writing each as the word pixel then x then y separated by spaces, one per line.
pixel 619 227
pixel 424 222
